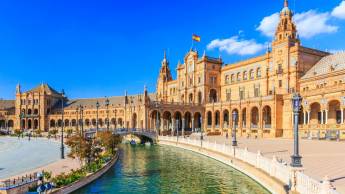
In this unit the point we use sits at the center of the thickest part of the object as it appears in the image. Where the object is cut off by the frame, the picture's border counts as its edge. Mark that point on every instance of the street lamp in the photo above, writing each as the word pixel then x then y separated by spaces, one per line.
pixel 296 106
pixel 97 107
pixel 234 118
pixel 21 123
pixel 77 112
pixel 107 105
pixel 201 130
pixel 62 124
pixel 81 118
pixel 157 119
pixel 177 124
pixel 115 120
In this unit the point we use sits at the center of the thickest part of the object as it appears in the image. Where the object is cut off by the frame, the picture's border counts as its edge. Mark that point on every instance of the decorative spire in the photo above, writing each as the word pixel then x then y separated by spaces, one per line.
pixel 165 61
pixel 18 88
pixel 204 55
pixel 286 3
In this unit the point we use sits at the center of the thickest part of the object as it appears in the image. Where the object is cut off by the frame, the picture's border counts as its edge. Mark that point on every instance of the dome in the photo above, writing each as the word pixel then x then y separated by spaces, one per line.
pixel 285 9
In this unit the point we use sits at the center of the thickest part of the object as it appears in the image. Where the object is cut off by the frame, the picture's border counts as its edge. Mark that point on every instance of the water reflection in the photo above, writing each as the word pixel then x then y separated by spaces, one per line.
pixel 163 169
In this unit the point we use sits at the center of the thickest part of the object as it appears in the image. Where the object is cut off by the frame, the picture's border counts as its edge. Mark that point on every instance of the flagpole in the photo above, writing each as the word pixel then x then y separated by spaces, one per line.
pixel 192 42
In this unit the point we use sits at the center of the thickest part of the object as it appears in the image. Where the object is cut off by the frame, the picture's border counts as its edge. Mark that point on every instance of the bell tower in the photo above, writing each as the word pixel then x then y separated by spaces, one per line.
pixel 284 61
pixel 286 29
pixel 163 78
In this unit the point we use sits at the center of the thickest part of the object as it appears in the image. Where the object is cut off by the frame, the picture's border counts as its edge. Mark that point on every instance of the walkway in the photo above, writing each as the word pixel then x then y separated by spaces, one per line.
pixel 320 158
pixel 20 156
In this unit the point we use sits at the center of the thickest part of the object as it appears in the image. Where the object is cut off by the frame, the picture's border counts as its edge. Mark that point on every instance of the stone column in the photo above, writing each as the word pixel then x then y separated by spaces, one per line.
pixel 213 120
pixel 239 117
pixel 193 130
pixel 308 117
pixel 322 117
pixel 326 116
pixel 221 121
pixel 304 117
pixel 342 116
pixel 183 125
pixel 173 126
pixel 177 127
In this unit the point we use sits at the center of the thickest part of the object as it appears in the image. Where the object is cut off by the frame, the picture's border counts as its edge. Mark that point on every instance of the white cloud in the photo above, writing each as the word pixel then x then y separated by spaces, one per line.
pixel 269 24
pixel 312 23
pixel 309 24
pixel 339 11
pixel 334 51
pixel 234 45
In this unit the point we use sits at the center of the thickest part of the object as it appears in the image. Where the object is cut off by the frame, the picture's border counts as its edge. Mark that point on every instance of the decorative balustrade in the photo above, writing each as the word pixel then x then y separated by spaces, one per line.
pixel 273 167
pixel 12 183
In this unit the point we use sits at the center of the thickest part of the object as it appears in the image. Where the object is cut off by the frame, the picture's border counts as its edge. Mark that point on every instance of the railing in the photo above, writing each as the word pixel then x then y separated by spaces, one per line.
pixel 12 183
pixel 273 167
pixel 162 103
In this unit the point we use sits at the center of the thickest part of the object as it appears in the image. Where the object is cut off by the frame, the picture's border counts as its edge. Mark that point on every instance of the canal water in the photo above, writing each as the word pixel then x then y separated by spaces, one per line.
pixel 163 169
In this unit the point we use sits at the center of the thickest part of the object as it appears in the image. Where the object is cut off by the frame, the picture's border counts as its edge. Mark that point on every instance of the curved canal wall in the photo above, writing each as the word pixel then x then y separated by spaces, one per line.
pixel 273 175
pixel 86 180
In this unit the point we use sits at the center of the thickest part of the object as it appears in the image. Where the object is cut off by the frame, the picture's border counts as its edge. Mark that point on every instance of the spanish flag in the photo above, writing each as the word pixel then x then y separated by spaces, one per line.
pixel 196 38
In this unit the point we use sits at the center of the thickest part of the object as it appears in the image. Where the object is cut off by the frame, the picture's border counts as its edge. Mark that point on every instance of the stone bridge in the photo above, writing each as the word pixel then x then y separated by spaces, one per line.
pixel 144 135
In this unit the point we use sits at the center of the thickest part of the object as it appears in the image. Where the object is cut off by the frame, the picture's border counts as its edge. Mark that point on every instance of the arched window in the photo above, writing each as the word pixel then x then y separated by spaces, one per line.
pixel 251 72
pixel 232 77
pixel 258 72
pixel 209 118
pixel 238 76
pixel 213 96
pixel 245 76
pixel 227 79
pixel 190 98
pixel 199 97
pixel 74 122
pixel 52 123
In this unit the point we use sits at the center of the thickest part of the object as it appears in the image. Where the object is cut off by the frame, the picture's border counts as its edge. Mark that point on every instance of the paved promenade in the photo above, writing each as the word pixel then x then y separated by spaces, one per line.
pixel 20 157
pixel 320 158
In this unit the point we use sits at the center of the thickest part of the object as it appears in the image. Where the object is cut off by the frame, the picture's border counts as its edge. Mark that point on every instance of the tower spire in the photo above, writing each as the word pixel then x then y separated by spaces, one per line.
pixel 165 60
pixel 286 3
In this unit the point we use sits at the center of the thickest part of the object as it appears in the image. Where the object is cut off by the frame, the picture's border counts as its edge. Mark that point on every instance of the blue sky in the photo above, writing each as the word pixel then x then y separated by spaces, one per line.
pixel 102 48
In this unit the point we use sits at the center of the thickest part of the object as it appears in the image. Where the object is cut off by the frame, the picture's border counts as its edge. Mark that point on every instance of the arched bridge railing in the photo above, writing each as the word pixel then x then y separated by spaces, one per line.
pixel 124 131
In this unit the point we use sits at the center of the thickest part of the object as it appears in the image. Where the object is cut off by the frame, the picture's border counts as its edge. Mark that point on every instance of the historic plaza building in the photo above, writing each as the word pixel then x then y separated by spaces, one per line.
pixel 206 93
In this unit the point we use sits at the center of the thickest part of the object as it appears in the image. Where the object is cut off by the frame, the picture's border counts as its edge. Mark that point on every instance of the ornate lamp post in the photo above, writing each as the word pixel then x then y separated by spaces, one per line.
pixel 97 107
pixel 21 123
pixel 115 120
pixel 201 131
pixel 81 118
pixel 62 125
pixel 157 119
pixel 107 105
pixel 77 112
pixel 296 106
pixel 177 128
pixel 234 118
